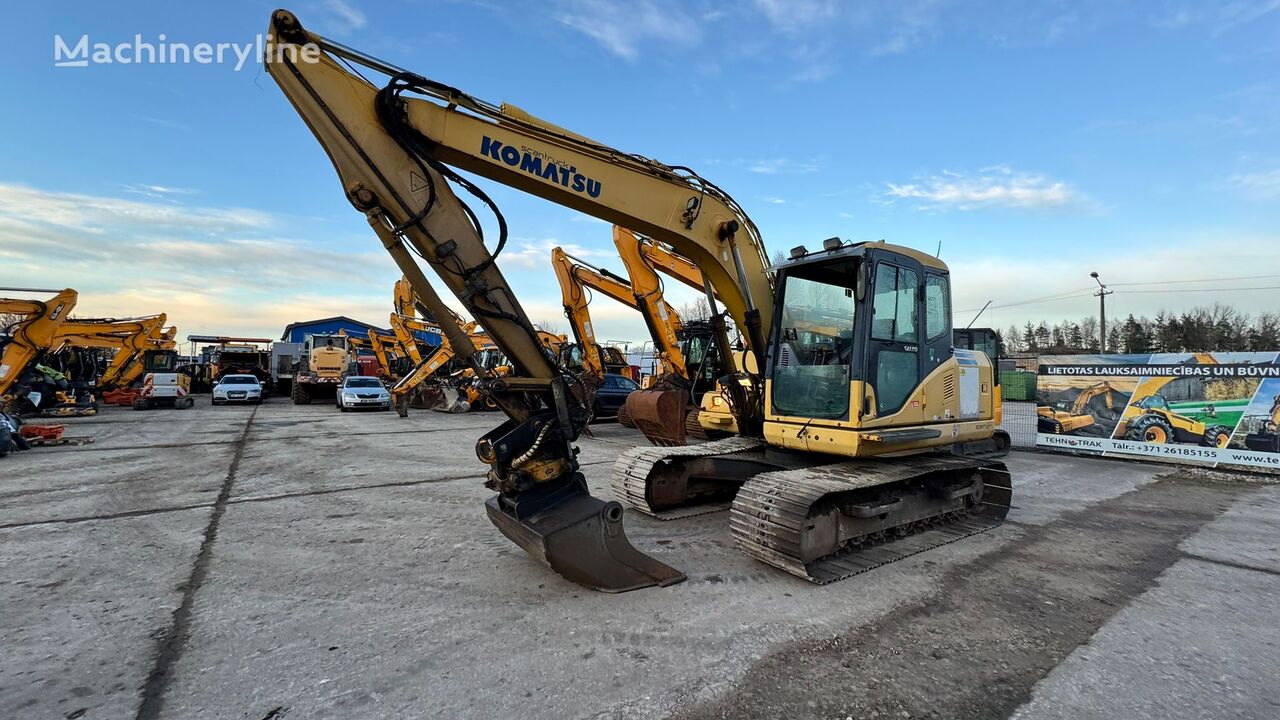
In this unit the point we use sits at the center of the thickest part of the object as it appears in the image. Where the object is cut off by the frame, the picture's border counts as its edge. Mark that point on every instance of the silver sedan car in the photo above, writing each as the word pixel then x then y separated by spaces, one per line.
pixel 363 391
pixel 237 388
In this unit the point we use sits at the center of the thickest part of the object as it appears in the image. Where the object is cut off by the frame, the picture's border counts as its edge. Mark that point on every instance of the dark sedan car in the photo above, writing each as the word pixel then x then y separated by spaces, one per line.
pixel 612 394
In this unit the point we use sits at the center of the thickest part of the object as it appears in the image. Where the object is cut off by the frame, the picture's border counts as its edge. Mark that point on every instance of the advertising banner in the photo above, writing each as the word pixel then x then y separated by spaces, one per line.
pixel 1208 408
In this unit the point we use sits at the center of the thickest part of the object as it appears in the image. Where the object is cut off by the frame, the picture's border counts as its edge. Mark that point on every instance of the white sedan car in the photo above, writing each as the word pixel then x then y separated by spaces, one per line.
pixel 236 389
pixel 363 391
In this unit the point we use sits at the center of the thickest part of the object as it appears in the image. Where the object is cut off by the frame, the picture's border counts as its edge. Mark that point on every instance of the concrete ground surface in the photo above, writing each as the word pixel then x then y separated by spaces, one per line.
pixel 296 562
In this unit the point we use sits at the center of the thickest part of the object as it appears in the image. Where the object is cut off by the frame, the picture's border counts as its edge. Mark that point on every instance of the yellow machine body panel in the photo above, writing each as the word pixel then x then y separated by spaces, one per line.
pixel 328 361
pixel 954 404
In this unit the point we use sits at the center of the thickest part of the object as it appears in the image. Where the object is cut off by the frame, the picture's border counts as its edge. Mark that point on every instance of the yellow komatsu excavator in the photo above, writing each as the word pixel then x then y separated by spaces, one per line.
pixel 862 423
pixel 33 333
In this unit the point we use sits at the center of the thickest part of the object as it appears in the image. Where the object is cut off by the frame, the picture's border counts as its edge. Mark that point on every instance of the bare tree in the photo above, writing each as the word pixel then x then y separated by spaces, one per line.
pixel 697 309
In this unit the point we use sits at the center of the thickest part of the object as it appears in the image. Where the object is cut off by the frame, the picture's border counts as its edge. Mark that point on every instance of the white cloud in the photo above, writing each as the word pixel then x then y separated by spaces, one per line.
pixel 782 166
pixel 211 269
pixel 905 25
pixel 773 200
pixel 97 214
pixel 622 28
pixel 345 13
pixel 991 187
pixel 1262 185
pixel 535 254
pixel 157 191
pixel 1219 16
pixel 793 15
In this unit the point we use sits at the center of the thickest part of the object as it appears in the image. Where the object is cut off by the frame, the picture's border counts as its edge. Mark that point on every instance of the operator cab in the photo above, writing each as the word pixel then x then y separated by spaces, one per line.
pixel 160 361
pixel 874 312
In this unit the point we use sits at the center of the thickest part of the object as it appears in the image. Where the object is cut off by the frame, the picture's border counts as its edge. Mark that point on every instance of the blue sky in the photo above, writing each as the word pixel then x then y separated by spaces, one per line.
pixel 1034 141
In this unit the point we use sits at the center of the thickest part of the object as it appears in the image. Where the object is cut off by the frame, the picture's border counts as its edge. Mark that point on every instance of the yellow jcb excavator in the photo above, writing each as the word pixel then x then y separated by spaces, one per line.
pixel 577 279
pixel 129 337
pixel 33 333
pixel 863 424
pixel 446 396
pixel 666 411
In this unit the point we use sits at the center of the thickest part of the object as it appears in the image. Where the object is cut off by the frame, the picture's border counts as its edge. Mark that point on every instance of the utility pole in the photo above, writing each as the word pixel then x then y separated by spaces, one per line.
pixel 1101 294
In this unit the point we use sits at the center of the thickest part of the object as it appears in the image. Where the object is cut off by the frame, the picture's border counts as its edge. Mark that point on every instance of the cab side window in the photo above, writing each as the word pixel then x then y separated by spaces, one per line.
pixel 937 303
pixel 895 304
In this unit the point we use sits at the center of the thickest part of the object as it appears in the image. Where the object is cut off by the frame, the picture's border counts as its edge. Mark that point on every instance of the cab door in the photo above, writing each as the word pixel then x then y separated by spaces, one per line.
pixel 893 349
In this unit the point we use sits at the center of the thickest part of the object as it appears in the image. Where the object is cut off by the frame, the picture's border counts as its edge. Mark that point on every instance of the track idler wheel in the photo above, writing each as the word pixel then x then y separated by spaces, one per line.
pixel 579 536
pixel 660 415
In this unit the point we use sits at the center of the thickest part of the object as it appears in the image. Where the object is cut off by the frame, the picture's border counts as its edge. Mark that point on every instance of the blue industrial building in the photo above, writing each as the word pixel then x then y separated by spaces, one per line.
pixel 297 332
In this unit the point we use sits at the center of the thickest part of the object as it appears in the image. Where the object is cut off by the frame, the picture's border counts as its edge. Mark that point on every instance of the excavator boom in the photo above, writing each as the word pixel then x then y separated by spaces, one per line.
pixel 390 153
pixel 31 335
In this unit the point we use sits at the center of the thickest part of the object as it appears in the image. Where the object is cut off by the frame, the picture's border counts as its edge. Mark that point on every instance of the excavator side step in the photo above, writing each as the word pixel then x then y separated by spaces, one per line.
pixel 828 523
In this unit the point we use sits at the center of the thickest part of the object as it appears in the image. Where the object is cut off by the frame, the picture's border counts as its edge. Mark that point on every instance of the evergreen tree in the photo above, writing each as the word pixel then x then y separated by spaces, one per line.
pixel 1134 336
pixel 1044 338
pixel 1115 339
pixel 1029 337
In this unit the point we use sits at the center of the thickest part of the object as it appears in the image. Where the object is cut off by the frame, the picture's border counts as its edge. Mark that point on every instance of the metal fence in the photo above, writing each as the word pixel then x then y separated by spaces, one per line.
pixel 1020 422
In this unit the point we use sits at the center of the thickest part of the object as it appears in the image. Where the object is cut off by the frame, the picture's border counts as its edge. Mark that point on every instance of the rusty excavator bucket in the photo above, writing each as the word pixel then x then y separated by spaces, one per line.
pixel 578 536
pixel 660 414
pixel 451 400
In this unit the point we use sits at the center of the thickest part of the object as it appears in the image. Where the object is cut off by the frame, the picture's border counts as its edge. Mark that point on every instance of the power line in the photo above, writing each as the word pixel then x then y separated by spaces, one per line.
pixel 1179 282
pixel 1189 290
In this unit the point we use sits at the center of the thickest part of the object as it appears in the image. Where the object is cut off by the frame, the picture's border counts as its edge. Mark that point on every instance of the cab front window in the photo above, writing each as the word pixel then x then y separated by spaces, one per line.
pixel 815 348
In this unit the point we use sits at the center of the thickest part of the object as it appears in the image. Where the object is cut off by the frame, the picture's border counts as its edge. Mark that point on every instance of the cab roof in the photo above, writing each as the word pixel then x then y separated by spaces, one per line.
pixel 860 250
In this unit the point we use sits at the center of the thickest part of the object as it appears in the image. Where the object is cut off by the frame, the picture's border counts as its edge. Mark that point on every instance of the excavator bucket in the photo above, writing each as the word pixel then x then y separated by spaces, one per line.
pixel 580 537
pixel 660 415
pixel 452 400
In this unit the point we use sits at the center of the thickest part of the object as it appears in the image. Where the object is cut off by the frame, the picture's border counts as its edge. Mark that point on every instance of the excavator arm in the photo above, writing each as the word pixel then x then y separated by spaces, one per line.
pixel 577 276
pixel 663 321
pixel 33 334
pixel 130 337
pixel 397 149
pixel 423 367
